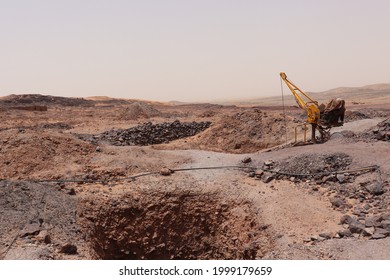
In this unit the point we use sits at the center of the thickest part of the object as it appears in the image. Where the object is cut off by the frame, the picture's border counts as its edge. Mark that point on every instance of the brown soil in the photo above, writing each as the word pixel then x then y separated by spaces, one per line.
pixel 173 223
pixel 198 214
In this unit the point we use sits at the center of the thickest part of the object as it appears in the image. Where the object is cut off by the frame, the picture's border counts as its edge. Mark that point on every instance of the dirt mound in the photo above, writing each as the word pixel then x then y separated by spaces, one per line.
pixel 139 110
pixel 182 224
pixel 354 116
pixel 244 132
pixel 150 134
pixel 38 99
pixel 365 114
pixel 31 154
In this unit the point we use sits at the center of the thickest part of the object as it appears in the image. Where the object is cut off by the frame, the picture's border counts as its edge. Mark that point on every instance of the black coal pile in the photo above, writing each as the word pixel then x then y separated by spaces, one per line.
pixel 150 134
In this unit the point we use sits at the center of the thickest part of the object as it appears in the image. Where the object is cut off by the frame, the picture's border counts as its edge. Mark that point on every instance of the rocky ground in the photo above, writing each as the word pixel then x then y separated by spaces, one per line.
pixel 68 190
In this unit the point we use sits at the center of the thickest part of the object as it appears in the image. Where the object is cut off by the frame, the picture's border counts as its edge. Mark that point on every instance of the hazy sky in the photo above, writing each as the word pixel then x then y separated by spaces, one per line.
pixel 190 50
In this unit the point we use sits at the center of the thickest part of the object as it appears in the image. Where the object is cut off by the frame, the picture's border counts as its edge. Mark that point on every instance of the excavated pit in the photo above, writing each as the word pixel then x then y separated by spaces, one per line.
pixel 177 225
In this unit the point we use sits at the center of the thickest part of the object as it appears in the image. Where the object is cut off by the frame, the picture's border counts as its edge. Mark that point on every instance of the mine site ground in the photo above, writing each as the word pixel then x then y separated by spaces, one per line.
pixel 103 178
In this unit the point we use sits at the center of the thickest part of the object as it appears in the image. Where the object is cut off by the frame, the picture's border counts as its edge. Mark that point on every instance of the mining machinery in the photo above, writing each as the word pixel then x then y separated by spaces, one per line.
pixel 321 117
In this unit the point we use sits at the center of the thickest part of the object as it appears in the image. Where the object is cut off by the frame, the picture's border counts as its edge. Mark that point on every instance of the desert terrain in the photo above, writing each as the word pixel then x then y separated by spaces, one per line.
pixel 105 178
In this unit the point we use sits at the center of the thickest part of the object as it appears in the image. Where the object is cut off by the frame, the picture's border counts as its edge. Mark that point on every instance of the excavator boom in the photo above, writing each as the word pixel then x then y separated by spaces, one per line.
pixel 296 91
pixel 311 106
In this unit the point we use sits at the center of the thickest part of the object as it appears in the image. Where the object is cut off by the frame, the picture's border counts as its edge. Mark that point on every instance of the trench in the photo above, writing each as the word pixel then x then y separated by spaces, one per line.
pixel 178 225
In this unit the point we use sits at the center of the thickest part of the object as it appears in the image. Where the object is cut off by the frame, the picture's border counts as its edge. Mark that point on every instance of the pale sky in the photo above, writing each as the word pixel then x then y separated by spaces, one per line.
pixel 190 50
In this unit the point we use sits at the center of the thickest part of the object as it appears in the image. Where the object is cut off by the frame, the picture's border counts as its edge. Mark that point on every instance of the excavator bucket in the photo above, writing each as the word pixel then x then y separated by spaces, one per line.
pixel 334 112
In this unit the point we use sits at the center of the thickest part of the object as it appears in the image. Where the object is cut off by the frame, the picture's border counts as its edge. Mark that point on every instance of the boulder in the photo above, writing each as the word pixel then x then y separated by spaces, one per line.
pixel 368 231
pixel 165 171
pixel 268 177
pixel 337 202
pixel 68 249
pixel 375 188
pixel 346 219
pixel 371 221
pixel 340 178
pixel 30 229
pixel 246 160
pixel 44 237
pixel 356 227
pixel 326 235
pixel 385 232
pixel 344 233
pixel 377 236
pixel 259 173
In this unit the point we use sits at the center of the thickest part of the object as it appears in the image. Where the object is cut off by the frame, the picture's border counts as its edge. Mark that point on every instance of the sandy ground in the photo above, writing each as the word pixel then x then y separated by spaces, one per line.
pixel 205 214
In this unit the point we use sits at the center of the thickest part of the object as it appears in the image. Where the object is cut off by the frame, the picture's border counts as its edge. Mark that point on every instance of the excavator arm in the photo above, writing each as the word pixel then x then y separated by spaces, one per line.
pixel 296 91
pixel 311 106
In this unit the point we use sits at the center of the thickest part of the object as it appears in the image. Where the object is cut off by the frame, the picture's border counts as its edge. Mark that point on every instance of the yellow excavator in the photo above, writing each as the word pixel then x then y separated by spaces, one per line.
pixel 321 117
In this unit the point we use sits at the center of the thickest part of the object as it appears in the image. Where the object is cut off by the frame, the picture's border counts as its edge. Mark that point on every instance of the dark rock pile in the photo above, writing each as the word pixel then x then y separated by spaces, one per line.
pixel 312 164
pixel 374 227
pixel 306 167
pixel 150 134
pixel 382 130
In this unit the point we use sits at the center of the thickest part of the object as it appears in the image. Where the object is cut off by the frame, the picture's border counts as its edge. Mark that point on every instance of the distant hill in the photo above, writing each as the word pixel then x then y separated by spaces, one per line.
pixel 377 93
pixel 49 100
pixel 38 99
pixel 364 89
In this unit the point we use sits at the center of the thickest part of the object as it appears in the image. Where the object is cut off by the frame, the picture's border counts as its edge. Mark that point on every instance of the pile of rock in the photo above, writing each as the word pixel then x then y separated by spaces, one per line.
pixel 379 132
pixel 382 131
pixel 263 174
pixel 374 227
pixel 306 167
pixel 150 134
pixel 307 164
